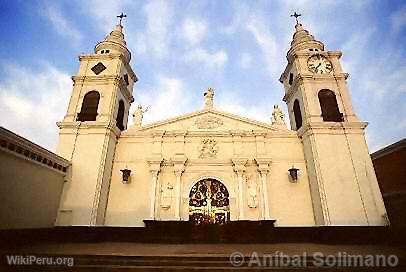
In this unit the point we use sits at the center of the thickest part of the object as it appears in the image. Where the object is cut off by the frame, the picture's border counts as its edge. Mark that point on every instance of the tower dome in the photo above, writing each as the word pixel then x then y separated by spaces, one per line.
pixel 114 43
pixel 303 40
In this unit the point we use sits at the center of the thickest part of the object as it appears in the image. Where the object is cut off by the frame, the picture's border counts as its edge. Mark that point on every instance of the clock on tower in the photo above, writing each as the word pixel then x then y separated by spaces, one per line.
pixel 336 153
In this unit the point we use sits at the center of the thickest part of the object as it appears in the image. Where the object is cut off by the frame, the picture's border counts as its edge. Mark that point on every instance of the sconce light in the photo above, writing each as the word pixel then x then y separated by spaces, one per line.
pixel 126 175
pixel 293 173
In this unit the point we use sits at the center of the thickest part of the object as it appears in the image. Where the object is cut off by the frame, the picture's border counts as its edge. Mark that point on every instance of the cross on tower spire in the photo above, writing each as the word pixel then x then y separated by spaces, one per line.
pixel 121 16
pixel 296 15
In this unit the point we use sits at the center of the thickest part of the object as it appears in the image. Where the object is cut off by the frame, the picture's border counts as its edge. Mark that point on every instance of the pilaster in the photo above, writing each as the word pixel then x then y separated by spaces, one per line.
pixel 154 168
pixel 240 168
pixel 263 168
pixel 178 168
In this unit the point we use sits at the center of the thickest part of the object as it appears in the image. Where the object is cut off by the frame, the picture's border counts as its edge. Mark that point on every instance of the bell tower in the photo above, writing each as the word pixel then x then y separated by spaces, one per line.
pixel 97 113
pixel 343 183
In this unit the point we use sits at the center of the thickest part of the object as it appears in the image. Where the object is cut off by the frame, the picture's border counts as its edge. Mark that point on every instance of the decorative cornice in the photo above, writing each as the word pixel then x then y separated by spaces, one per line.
pixel 158 133
pixel 337 54
pixel 155 163
pixel 100 56
pixel 240 132
pixel 174 133
pixel 96 78
pixel 208 162
pixel 102 79
pixel 78 126
pixel 179 162
pixel 190 134
pixel 332 128
pixel 110 57
pixel 301 77
pixel 17 145
pixel 212 111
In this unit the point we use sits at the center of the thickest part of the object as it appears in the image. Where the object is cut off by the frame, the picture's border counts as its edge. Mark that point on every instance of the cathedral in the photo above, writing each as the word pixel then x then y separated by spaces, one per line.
pixel 214 167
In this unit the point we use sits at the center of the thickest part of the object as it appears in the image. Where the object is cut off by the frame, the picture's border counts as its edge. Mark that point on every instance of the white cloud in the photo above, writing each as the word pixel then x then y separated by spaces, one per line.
pixel 252 20
pixel 211 60
pixel 61 24
pixel 104 12
pixel 155 38
pixel 261 111
pixel 32 101
pixel 377 85
pixel 193 30
pixel 166 99
pixel 246 60
pixel 259 29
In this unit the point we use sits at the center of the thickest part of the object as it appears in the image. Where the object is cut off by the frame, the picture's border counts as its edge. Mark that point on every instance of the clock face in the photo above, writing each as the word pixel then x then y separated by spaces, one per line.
pixel 319 64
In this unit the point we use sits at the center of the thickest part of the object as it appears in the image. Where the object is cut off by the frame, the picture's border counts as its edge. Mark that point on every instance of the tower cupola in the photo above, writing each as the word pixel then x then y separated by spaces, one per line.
pixel 303 40
pixel 114 43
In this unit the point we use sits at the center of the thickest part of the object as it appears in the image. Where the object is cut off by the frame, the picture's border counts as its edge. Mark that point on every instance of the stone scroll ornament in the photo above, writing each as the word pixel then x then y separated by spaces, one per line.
pixel 208 149
pixel 209 122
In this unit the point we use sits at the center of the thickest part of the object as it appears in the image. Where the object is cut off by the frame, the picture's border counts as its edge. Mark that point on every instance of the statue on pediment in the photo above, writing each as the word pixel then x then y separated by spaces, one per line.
pixel 138 115
pixel 278 117
pixel 208 99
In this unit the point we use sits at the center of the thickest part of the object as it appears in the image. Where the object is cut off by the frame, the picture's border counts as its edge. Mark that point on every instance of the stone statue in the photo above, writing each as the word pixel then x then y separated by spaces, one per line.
pixel 138 115
pixel 166 195
pixel 252 192
pixel 278 117
pixel 208 98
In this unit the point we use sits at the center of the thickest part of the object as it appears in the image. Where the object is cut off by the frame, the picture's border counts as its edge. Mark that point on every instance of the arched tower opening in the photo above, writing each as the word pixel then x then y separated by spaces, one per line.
pixel 120 115
pixel 329 106
pixel 298 114
pixel 90 104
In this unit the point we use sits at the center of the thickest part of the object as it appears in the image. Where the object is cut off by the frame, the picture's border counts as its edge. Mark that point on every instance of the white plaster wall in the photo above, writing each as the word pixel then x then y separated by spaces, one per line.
pixel 129 204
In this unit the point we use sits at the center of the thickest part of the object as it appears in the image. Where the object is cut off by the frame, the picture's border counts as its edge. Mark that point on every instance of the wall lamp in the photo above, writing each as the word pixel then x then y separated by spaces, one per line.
pixel 293 172
pixel 126 175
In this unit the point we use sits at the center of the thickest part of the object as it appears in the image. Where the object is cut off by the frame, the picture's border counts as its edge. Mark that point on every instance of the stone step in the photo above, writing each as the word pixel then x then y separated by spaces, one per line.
pixel 178 263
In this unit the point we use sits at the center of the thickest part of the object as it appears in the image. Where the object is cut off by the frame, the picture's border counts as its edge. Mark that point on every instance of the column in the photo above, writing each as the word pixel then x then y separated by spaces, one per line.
pixel 263 169
pixel 178 175
pixel 265 206
pixel 240 174
pixel 154 168
pixel 154 175
pixel 178 168
pixel 239 168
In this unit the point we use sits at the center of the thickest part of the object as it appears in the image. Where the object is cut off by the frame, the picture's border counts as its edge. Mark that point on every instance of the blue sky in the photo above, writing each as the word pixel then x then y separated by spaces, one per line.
pixel 180 48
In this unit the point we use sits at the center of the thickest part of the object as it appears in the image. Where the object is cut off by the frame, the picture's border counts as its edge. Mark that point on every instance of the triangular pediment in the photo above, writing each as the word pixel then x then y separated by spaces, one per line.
pixel 208 120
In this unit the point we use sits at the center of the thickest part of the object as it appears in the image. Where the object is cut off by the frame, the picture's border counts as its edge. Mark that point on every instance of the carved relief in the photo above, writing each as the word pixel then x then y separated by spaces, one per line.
pixel 252 192
pixel 208 149
pixel 208 122
pixel 166 195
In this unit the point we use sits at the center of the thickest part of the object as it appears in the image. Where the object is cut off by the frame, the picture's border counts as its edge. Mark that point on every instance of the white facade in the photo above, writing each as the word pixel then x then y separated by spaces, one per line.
pixel 249 160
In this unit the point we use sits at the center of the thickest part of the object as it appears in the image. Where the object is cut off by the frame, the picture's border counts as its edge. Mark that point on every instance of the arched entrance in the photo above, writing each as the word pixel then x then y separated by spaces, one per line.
pixel 209 203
